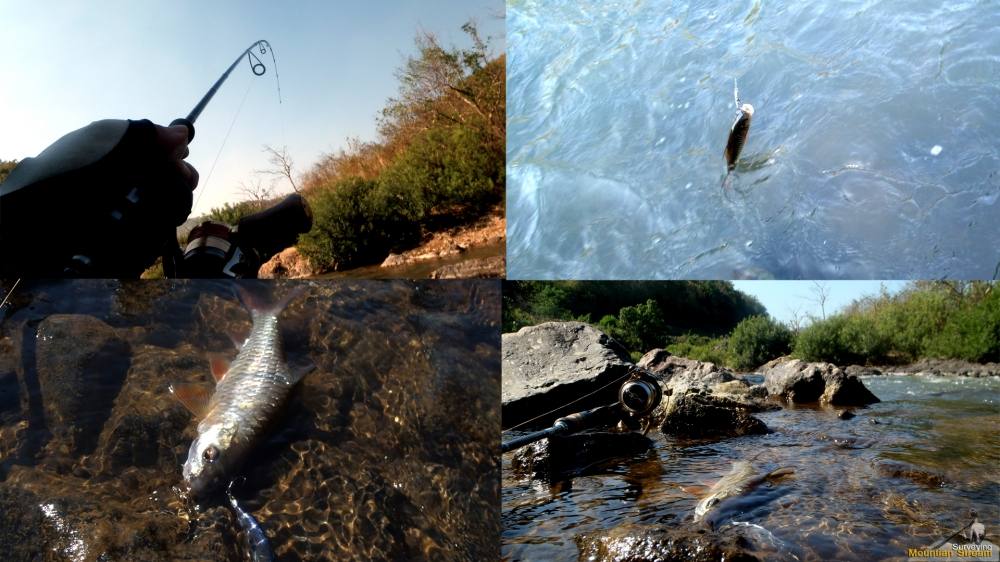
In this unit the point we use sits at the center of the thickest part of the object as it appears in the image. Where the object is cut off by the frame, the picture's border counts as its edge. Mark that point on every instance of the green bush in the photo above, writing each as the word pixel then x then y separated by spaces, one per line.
pixel 232 213
pixel 641 327
pixel 843 340
pixel 701 348
pixel 757 340
pixel 972 333
pixel 352 226
pixel 444 168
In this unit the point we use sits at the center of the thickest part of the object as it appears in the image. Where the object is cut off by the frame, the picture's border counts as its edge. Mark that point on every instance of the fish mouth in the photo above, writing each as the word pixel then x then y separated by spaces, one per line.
pixel 201 487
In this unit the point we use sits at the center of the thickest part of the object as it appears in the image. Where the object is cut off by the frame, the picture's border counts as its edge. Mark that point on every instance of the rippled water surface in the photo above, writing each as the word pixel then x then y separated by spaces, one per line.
pixel 387 449
pixel 618 114
pixel 861 490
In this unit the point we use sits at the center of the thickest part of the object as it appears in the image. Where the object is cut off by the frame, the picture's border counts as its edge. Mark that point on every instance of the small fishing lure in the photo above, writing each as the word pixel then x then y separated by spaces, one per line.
pixel 257 545
pixel 738 132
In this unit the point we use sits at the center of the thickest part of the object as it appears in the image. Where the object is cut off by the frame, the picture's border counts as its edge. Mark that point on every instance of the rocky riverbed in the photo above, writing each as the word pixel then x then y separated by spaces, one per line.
pixel 872 464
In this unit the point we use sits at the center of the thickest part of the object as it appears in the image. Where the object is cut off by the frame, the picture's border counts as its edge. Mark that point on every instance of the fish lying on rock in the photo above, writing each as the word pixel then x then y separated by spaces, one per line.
pixel 742 479
pixel 248 395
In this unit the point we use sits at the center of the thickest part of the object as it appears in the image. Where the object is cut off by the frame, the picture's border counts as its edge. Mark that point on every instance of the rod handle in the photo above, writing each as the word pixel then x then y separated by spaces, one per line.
pixel 186 123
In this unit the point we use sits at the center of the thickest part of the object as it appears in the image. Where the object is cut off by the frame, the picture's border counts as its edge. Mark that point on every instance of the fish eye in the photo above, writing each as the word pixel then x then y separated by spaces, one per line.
pixel 211 453
pixel 713 501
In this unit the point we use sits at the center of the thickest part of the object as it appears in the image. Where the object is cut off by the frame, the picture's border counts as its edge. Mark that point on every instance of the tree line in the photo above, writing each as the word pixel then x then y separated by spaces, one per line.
pixel 712 321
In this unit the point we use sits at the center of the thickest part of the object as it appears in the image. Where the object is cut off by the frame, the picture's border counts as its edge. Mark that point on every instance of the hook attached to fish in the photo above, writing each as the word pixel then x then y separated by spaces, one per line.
pixel 738 133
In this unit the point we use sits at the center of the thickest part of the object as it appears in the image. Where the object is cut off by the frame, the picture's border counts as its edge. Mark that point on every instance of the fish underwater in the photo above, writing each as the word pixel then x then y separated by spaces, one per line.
pixel 739 481
pixel 249 393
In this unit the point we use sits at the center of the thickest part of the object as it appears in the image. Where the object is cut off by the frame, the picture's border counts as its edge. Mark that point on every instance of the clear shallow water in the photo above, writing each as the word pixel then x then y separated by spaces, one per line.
pixel 387 450
pixel 841 503
pixel 618 114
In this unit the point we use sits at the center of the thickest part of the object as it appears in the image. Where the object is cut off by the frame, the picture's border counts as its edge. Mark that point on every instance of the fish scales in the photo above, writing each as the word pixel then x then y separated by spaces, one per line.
pixel 256 385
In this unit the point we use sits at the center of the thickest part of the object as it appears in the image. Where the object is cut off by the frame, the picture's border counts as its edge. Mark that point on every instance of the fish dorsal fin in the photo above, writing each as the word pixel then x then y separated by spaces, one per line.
pixel 194 397
pixel 220 366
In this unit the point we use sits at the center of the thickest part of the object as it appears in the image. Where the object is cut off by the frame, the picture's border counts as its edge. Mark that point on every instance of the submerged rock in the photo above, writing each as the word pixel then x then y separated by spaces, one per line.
pixel 899 470
pixel 146 426
pixel 570 454
pixel 636 543
pixel 798 381
pixel 557 362
pixel 81 364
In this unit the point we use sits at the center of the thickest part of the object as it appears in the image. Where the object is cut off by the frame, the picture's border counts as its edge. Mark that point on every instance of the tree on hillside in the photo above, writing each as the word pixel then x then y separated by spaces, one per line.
pixel 281 165
pixel 5 167
pixel 459 86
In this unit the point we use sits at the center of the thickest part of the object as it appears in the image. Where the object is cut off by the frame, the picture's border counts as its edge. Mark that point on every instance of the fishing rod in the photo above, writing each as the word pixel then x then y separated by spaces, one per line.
pixel 111 251
pixel 637 398
pixel 257 68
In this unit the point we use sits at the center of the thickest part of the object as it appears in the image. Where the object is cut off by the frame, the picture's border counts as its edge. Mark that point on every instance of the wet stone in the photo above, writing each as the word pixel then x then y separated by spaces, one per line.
pixel 916 475
pixel 702 415
pixel 81 364
pixel 797 381
pixel 634 543
pixel 146 423
pixel 567 455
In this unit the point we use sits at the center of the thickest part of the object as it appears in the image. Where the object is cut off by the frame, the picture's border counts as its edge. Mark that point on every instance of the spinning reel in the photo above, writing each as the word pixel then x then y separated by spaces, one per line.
pixel 637 398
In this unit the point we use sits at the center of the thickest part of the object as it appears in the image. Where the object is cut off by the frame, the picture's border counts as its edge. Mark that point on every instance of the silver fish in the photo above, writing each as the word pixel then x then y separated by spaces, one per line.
pixel 739 131
pixel 741 479
pixel 249 393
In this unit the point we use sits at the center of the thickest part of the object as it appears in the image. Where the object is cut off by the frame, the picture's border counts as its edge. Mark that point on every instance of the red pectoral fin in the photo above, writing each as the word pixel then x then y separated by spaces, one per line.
pixel 695 490
pixel 220 366
pixel 194 397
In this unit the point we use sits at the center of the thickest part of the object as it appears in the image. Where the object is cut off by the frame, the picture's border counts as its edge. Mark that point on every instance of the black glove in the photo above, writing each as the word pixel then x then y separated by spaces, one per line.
pixel 102 201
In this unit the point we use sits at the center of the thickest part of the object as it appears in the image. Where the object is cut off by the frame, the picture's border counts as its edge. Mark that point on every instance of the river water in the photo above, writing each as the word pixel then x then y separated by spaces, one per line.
pixel 386 451
pixel 873 152
pixel 861 490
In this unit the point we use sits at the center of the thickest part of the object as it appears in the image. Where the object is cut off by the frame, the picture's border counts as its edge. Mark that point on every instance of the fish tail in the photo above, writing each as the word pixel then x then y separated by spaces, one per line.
pixel 257 304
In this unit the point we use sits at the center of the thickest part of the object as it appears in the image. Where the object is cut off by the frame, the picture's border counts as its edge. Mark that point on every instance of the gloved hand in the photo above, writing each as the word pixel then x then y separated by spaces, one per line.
pixel 102 201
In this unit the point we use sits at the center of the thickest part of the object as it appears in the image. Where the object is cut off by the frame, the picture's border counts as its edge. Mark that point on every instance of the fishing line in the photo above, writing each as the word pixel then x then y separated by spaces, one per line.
pixel 552 411
pixel 204 186
pixel 14 286
pixel 258 69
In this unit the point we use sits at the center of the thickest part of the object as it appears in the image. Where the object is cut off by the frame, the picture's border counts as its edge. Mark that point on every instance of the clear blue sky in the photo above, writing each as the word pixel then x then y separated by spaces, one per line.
pixel 67 63
pixel 785 299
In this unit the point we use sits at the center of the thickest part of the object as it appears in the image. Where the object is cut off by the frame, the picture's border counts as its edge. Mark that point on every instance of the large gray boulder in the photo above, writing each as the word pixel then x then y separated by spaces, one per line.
pixel 702 399
pixel 554 363
pixel 797 381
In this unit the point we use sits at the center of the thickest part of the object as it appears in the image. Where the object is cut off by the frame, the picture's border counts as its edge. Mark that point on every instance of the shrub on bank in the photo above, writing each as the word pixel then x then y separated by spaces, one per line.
pixel 757 340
